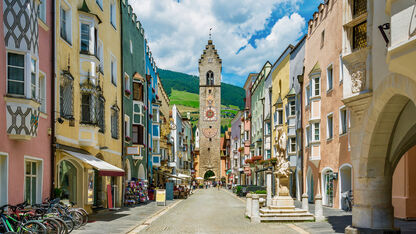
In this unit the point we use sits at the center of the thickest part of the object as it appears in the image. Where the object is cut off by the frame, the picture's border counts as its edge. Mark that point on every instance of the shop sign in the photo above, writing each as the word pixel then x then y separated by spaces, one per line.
pixel 131 150
pixel 136 157
pixel 156 160
pixel 161 197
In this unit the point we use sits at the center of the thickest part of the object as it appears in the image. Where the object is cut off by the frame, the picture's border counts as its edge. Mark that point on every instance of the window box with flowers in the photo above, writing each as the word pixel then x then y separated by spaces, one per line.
pixel 240 149
pixel 127 92
pixel 248 161
pixel 127 138
pixel 256 158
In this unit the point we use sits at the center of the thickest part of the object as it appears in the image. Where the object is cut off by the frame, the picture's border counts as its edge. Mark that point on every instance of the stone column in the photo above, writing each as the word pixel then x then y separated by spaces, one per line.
pixel 255 217
pixel 248 205
pixel 305 204
pixel 319 213
pixel 269 188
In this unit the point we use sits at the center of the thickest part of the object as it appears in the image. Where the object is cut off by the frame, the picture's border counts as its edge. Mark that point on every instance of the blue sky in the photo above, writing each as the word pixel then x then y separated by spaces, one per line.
pixel 246 33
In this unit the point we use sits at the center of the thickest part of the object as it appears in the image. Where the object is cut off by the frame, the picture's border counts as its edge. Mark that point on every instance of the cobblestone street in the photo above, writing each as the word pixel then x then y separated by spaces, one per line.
pixel 212 211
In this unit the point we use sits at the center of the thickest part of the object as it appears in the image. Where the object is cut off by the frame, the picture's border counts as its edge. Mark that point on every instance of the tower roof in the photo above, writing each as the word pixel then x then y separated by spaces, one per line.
pixel 210 47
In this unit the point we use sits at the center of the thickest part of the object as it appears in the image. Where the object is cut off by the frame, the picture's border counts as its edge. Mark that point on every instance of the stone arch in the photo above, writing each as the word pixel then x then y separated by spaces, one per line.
pixel 208 173
pixel 127 169
pixel 310 185
pixel 141 173
pixel 388 130
pixel 79 180
pixel 210 77
pixel 344 181
pixel 327 198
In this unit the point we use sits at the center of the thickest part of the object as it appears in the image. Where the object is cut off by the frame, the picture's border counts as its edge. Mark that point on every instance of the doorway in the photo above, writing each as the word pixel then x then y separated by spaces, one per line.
pixel 345 176
pixel 328 187
pixel 68 180
pixel 3 180
pixel 310 185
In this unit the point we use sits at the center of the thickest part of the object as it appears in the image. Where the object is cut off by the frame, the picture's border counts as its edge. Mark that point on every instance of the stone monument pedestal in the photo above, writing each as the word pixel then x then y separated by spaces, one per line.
pixel 283 206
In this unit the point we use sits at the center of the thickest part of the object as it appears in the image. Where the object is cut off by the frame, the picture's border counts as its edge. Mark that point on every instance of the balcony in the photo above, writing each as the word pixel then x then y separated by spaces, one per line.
pixel 22 118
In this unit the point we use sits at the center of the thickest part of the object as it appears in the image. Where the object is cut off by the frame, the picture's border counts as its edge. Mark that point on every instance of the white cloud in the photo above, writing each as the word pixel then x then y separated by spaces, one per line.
pixel 178 32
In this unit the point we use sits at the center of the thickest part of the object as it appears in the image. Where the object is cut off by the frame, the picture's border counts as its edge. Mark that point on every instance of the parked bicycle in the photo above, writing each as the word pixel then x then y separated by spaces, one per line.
pixel 347 198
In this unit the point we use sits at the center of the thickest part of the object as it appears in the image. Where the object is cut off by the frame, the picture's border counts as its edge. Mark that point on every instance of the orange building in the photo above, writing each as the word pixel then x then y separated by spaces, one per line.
pixel 327 166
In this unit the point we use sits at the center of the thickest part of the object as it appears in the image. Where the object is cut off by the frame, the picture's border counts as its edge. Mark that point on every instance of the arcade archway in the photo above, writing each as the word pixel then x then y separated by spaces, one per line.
pixel 208 174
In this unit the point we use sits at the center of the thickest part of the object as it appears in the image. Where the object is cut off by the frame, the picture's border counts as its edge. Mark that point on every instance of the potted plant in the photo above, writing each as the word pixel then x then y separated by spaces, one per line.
pixel 127 92
pixel 128 138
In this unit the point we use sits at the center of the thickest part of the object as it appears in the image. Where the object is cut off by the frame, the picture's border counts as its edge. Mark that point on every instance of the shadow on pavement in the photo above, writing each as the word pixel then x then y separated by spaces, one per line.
pixel 339 223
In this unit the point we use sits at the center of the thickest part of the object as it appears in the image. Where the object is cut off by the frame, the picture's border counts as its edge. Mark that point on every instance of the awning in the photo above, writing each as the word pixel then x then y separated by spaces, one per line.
pixel 228 172
pixel 199 178
pixel 183 176
pixel 104 168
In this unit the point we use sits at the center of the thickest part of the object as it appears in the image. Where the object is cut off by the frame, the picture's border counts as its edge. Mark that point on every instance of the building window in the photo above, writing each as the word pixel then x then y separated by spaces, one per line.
pixel 101 114
pixel 292 142
pixel 330 126
pixel 99 3
pixel 100 55
pixel 42 92
pixel 15 74
pixel 138 134
pixel 246 134
pixel 126 83
pixel 155 113
pixel 87 109
pixel 114 122
pixel 359 7
pixel 316 132
pixel 308 135
pixel 155 146
pixel 329 77
pixel 85 38
pixel 113 14
pixel 33 78
pixel 32 181
pixel 359 34
pixel 316 86
pixel 341 69
pixel 138 113
pixel 42 10
pixel 113 71
pixel 210 78
pixel 66 97
pixel 322 38
pixel 66 25
pixel 292 106
pixel 126 126
pixel 280 117
pixel 343 120
pixel 137 91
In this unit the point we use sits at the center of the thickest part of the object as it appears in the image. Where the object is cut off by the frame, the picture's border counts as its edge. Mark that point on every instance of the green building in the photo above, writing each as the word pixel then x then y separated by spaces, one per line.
pixel 134 94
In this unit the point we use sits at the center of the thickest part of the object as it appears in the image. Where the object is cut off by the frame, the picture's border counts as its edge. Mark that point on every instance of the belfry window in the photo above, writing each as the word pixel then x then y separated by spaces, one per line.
pixel 210 78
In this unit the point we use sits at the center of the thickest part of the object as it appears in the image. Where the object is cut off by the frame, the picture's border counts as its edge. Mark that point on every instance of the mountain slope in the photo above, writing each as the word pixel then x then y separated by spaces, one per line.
pixel 230 94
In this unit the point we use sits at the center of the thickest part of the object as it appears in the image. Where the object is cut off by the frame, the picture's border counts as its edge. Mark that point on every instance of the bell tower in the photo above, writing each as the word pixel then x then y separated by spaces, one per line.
pixel 210 67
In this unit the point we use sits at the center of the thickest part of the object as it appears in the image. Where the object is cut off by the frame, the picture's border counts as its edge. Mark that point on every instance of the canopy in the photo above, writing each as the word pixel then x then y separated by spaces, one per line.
pixel 173 178
pixel 199 178
pixel 183 176
pixel 228 172
pixel 212 177
pixel 104 168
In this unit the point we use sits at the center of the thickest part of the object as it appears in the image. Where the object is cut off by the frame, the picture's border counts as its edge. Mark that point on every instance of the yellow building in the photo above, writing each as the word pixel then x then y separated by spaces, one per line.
pixel 280 91
pixel 88 102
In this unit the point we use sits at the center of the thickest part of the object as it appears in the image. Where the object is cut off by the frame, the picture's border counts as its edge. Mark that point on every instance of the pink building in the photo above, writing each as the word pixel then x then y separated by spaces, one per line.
pixel 246 123
pixel 26 117
pixel 327 163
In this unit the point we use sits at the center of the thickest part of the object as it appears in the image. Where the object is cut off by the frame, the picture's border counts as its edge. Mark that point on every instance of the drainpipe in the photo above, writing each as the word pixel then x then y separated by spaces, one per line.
pixel 52 108
pixel 123 146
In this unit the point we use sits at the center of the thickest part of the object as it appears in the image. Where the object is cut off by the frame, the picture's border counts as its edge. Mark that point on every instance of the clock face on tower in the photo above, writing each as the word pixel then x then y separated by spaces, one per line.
pixel 210 114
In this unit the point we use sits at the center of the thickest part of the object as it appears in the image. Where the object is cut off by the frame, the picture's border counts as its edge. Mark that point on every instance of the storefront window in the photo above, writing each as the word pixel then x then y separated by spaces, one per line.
pixel 68 181
pixel 90 187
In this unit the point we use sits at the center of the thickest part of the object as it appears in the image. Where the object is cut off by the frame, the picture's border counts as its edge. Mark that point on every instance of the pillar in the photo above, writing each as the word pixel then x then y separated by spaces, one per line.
pixel 305 204
pixel 269 188
pixel 255 217
pixel 248 205
pixel 319 213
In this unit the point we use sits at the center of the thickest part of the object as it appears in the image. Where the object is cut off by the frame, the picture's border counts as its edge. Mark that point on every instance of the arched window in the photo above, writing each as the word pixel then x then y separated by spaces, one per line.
pixel 210 78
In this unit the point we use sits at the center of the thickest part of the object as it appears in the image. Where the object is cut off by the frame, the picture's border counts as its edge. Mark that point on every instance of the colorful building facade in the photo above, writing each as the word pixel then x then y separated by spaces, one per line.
pixel 88 153
pixel 27 99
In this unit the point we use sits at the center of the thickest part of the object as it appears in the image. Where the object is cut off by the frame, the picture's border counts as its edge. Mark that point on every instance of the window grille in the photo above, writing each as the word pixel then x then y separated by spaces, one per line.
pixel 359 7
pixel 66 97
pixel 360 36
pixel 87 113
pixel 100 114
pixel 114 122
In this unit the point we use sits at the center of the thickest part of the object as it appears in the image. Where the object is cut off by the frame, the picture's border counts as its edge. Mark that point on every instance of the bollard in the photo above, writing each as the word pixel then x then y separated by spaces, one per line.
pixel 248 204
pixel 319 214
pixel 269 188
pixel 305 202
pixel 255 218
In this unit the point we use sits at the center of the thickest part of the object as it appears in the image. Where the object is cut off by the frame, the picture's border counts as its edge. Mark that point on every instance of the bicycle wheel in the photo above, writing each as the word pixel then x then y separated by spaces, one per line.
pixel 52 225
pixel 33 227
pixel 84 215
pixel 77 217
pixel 69 223
pixel 63 226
